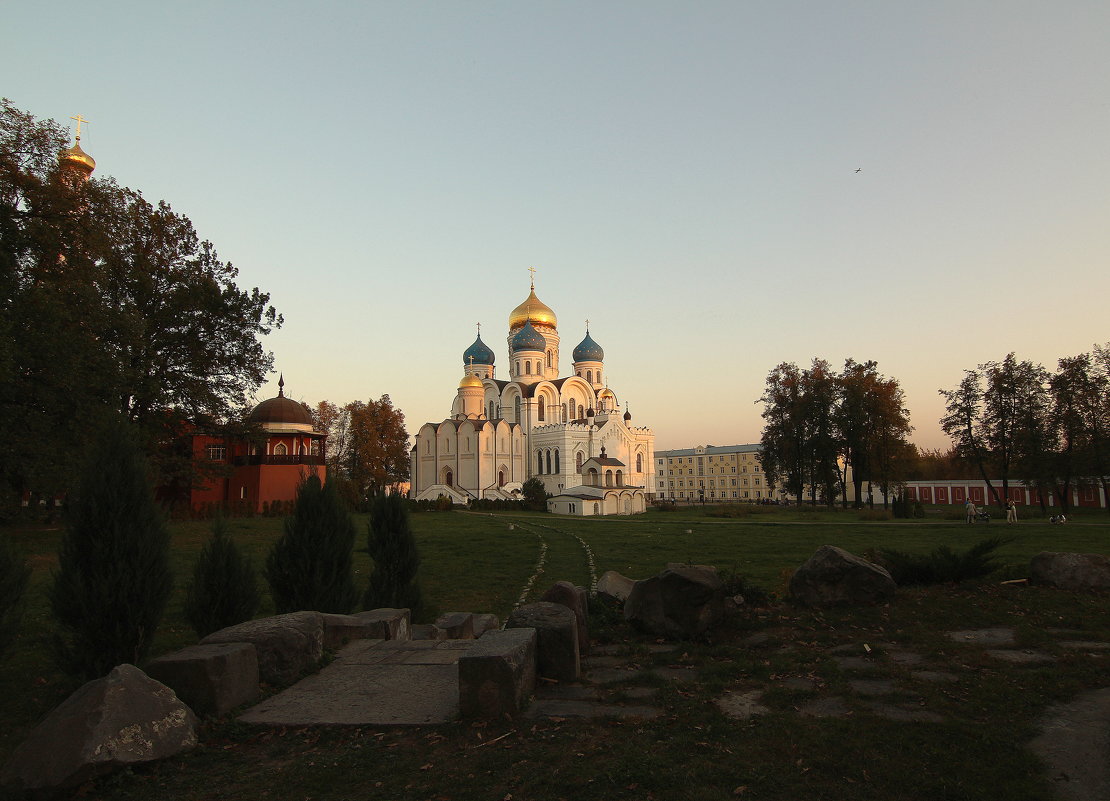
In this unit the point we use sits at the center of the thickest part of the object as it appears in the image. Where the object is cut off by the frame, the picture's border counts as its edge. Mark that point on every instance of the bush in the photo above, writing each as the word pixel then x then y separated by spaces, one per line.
pixel 14 575
pixel 753 594
pixel 534 494
pixel 224 589
pixel 310 566
pixel 113 577
pixel 943 565
pixel 393 548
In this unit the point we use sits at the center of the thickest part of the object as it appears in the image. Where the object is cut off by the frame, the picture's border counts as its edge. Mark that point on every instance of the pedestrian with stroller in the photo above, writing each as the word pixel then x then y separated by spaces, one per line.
pixel 969 507
pixel 1011 512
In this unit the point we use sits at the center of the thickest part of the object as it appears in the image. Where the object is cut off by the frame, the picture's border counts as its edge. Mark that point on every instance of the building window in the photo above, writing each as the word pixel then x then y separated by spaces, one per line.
pixel 516 407
pixel 640 463
pixel 280 449
pixel 557 470
pixel 578 461
pixel 528 368
pixel 539 409
pixel 217 453
pixel 590 376
pixel 539 461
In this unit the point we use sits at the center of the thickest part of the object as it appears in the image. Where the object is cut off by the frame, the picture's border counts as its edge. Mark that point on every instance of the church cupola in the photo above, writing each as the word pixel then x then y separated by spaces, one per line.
pixel 478 359
pixel 538 316
pixel 588 358
pixel 469 402
pixel 528 339
pixel 75 162
pixel 527 347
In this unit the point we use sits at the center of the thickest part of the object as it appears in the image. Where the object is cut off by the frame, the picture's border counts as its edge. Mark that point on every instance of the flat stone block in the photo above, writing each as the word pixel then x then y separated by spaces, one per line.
pixel 342 629
pixel 556 638
pixel 1020 657
pixel 396 623
pixel 287 645
pixel 456 625
pixel 428 631
pixel 742 705
pixel 497 674
pixel 210 679
pixel 995 636
pixel 485 622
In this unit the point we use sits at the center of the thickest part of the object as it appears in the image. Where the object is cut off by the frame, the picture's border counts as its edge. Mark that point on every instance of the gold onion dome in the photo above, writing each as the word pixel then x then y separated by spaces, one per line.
pixel 470 380
pixel 532 309
pixel 76 157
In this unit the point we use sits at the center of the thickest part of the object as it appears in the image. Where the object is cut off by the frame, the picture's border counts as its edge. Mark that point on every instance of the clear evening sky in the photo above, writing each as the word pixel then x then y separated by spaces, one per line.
pixel 683 174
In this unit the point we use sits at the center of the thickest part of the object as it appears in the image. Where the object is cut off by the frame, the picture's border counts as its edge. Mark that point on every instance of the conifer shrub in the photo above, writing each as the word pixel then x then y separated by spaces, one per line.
pixel 391 545
pixel 942 565
pixel 224 589
pixel 310 566
pixel 14 576
pixel 113 577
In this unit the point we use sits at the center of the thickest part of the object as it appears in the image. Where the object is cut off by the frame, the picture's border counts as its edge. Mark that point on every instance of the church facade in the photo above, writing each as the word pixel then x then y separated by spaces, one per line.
pixel 566 430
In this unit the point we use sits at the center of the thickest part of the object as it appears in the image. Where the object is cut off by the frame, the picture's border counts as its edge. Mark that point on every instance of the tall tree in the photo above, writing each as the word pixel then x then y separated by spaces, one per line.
pixel 145 319
pixel 784 431
pixel 378 447
pixel 1097 411
pixel 224 589
pixel 113 577
pixel 391 545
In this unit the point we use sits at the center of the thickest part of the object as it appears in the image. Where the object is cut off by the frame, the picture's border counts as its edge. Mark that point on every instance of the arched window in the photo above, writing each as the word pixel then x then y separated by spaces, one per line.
pixel 564 412
pixel 581 412
pixel 608 478
pixel 557 470
pixel 620 478
pixel 528 368
pixel 539 408
pixel 591 477
pixel 590 376
pixel 490 415
pixel 516 408
pixel 548 461
pixel 280 449
pixel 597 509
pixel 500 478
pixel 549 358
pixel 578 462
pixel 639 463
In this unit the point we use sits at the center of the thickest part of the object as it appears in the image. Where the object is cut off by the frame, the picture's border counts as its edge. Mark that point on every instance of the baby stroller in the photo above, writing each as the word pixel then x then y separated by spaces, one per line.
pixel 983 516
pixel 1058 520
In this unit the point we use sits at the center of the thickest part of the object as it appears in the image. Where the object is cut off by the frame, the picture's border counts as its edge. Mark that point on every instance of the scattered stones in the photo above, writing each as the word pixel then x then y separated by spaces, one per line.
pixel 210 679
pixel 1020 657
pixel 573 598
pixel 125 718
pixel 614 587
pixel 287 645
pixel 556 638
pixel 993 636
pixel 742 705
pixel 428 631
pixel 1071 571
pixel 484 623
pixel 683 602
pixel 834 577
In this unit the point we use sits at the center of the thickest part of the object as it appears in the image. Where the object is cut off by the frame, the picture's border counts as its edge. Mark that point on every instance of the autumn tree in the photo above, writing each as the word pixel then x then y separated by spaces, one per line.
pixel 784 431
pixel 367 443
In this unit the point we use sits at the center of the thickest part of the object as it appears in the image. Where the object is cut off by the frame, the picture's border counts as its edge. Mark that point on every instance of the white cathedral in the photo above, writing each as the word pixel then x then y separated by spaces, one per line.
pixel 567 431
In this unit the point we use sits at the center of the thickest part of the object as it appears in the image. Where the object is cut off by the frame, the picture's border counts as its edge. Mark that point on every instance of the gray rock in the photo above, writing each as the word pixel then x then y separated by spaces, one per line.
pixel 834 577
pixel 742 705
pixel 1071 571
pixel 125 718
pixel 498 674
pixel 210 679
pixel 485 622
pixel 395 624
pixel 287 645
pixel 574 599
pixel 683 601
pixel 427 631
pixel 342 629
pixel 456 625
pixel 556 638
pixel 613 586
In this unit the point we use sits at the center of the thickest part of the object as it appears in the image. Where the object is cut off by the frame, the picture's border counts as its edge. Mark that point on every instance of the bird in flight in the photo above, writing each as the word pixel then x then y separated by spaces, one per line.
pixel 859 169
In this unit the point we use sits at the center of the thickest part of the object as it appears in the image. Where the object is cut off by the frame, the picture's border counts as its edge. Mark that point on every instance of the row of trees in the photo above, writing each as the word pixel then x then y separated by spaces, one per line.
pixel 1016 421
pixel 819 423
pixel 110 306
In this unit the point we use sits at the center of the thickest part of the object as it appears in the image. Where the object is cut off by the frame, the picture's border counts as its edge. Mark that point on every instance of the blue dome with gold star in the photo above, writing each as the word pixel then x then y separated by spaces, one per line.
pixel 478 353
pixel 528 338
pixel 588 350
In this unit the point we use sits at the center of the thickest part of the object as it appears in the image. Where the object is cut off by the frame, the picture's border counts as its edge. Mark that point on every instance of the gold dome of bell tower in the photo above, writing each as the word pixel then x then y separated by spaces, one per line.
pixel 74 159
pixel 532 309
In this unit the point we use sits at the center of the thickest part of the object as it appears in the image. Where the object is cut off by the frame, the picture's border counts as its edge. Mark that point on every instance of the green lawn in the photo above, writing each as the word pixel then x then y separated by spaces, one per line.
pixel 481 562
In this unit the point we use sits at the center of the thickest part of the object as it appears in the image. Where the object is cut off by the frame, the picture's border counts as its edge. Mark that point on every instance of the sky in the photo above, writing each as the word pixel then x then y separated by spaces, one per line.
pixel 719 187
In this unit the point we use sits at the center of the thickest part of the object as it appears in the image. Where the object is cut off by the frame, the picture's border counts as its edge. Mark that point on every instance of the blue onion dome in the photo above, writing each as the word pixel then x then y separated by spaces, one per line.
pixel 588 350
pixel 528 338
pixel 478 353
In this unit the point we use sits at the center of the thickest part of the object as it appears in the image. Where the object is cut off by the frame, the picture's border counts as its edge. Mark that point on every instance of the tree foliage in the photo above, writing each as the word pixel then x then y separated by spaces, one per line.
pixel 113 577
pixel 534 495
pixel 145 319
pixel 393 581
pixel 819 423
pixel 368 445
pixel 224 589
pixel 310 566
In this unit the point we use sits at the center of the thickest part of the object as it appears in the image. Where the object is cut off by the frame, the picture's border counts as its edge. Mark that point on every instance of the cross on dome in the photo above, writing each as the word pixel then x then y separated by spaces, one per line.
pixel 80 120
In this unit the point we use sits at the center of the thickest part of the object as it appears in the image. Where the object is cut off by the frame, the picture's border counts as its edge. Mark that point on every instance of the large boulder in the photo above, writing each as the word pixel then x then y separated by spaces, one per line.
pixel 834 577
pixel 342 629
pixel 498 674
pixel 392 624
pixel 210 679
pixel 556 638
pixel 1071 571
pixel 613 586
pixel 125 718
pixel 457 625
pixel 574 599
pixel 287 645
pixel 683 602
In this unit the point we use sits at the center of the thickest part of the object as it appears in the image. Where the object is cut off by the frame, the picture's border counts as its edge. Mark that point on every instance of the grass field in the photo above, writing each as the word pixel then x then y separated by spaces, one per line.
pixel 481 563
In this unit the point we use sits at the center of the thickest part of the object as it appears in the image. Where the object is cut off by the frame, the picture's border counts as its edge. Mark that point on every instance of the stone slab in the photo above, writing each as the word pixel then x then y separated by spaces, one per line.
pixel 824 708
pixel 396 624
pixel 992 636
pixel 588 710
pixel 1020 657
pixel 902 713
pixel 872 686
pixel 498 674
pixel 210 679
pixel 742 705
pixel 1085 645
pixel 1074 744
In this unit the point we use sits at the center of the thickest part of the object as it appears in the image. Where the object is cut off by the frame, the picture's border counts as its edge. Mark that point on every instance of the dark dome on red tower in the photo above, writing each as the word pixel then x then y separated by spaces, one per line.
pixel 280 410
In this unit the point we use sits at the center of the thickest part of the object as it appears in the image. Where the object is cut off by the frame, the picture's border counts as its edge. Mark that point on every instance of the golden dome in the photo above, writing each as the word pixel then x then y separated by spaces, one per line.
pixel 76 157
pixel 532 309
pixel 470 380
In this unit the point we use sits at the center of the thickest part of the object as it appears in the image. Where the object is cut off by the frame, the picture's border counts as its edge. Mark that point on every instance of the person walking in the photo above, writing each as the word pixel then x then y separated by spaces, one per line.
pixel 969 507
pixel 1011 512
